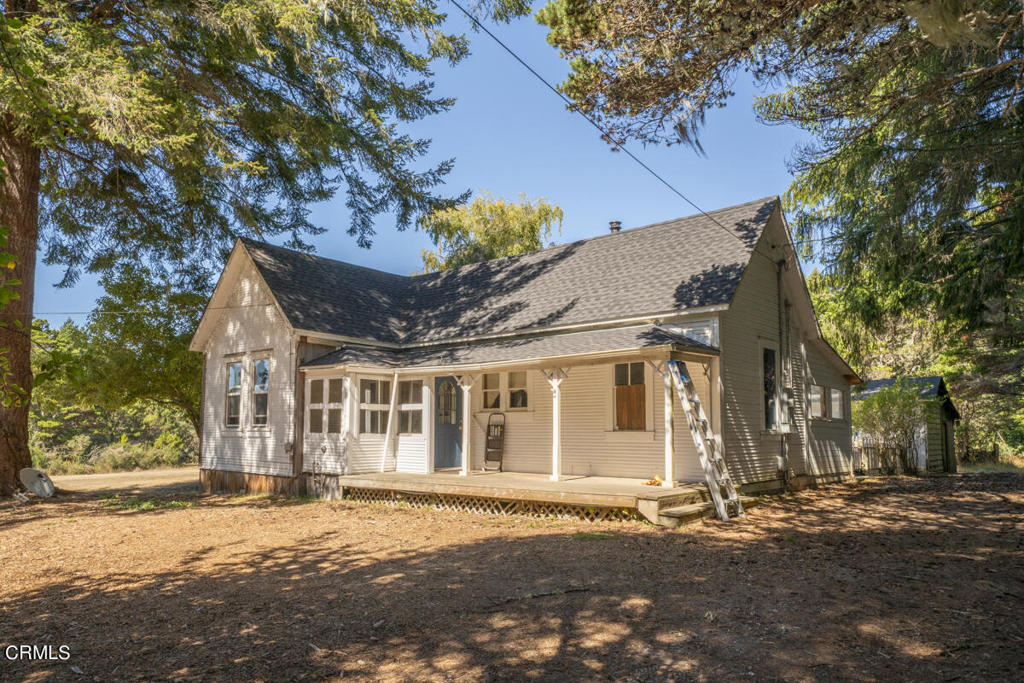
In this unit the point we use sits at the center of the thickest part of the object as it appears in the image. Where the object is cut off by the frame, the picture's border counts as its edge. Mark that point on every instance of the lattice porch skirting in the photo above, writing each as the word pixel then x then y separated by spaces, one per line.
pixel 492 506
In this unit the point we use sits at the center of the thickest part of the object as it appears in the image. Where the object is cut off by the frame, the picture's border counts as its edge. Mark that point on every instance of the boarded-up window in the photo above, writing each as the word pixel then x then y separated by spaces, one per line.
pixel 233 407
pixel 630 397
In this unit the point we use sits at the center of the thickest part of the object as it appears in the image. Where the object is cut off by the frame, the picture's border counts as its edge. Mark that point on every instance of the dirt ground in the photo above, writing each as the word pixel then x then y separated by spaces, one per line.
pixel 878 580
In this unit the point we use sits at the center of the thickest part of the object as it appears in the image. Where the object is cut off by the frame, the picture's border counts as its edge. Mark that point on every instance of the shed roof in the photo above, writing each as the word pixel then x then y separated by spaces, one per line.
pixel 680 264
pixel 519 350
pixel 927 387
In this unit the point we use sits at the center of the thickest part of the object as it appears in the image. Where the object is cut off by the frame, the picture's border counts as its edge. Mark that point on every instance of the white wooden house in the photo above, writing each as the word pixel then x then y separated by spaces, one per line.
pixel 317 367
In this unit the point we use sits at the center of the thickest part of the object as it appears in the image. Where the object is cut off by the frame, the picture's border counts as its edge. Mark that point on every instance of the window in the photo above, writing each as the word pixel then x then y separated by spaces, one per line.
pixel 816 400
pixel 492 391
pixel 335 399
pixel 517 394
pixel 260 391
pixel 316 406
pixel 838 405
pixel 410 406
pixel 332 406
pixel 630 397
pixel 233 408
pixel 769 369
pixel 446 403
pixel 374 400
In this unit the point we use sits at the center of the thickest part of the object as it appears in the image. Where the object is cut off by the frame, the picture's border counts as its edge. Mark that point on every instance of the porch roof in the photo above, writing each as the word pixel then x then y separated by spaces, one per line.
pixel 519 351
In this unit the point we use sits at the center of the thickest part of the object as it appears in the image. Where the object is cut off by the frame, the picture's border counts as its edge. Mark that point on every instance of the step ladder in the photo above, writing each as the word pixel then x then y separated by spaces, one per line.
pixel 720 484
pixel 494 447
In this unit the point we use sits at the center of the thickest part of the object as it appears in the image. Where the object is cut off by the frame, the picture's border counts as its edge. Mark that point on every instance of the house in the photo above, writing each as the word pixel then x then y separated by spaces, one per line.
pixel 323 372
pixel 933 444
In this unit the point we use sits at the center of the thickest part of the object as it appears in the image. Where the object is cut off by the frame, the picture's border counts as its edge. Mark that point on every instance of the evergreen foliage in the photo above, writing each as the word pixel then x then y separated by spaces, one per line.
pixel 913 186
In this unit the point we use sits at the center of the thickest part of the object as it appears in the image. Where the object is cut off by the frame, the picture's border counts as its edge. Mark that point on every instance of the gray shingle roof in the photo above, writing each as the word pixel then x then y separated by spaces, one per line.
pixel 684 263
pixel 509 350
pixel 927 386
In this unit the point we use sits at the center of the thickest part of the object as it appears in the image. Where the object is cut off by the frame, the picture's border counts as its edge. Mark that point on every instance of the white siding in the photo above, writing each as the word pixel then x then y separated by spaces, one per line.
pixel 590 446
pixel 830 446
pixel 753 454
pixel 251 327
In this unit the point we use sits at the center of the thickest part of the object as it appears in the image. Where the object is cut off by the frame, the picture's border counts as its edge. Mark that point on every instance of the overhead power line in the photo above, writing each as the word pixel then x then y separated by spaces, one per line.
pixel 604 133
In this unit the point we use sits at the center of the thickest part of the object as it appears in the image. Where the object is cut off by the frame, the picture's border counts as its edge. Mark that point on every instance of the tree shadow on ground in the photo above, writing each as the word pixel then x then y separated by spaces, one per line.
pixel 817 593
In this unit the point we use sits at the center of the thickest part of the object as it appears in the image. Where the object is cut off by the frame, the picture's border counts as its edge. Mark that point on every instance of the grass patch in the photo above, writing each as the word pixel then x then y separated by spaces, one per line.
pixel 114 501
pixel 1005 463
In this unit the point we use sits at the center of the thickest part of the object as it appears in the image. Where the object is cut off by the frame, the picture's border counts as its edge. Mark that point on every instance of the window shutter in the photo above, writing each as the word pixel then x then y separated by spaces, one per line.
pixel 630 407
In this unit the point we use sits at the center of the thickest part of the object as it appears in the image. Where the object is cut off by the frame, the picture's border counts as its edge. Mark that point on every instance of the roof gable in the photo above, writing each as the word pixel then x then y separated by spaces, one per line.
pixel 655 270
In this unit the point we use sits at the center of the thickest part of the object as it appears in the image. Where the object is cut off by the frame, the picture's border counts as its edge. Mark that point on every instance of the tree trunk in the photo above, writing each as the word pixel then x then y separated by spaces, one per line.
pixel 19 212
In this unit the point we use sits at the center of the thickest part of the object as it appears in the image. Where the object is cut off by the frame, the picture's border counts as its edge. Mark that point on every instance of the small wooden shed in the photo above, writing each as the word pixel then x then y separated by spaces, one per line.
pixel 934 443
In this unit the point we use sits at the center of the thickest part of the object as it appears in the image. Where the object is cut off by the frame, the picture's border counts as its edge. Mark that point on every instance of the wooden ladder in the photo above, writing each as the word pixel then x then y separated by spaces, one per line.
pixel 711 460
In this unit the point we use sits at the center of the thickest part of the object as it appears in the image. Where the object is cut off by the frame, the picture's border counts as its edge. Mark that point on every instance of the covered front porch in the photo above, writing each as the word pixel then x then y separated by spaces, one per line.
pixel 595 406
pixel 594 498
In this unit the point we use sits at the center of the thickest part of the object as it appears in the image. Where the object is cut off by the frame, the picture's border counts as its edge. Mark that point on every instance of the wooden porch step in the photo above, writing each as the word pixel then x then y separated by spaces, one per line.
pixel 674 517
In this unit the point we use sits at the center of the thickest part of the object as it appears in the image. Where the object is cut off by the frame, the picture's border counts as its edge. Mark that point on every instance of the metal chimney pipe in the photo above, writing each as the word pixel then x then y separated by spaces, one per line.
pixel 614 226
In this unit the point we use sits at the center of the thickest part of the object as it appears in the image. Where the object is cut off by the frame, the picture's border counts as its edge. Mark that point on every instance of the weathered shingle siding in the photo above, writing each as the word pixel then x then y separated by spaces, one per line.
pixel 251 327
pixel 752 453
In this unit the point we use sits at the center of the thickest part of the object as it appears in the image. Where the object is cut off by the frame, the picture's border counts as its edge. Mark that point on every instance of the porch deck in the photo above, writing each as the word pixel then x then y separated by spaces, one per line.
pixel 595 497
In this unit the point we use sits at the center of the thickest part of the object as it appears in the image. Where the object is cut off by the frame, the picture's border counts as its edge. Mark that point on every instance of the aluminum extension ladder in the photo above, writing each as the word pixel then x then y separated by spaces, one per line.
pixel 720 484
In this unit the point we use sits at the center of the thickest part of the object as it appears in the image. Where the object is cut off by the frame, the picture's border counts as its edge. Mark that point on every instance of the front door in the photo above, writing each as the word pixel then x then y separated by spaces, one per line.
pixel 447 423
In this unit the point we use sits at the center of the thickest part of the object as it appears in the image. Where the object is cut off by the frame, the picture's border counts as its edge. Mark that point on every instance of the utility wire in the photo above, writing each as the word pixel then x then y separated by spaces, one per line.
pixel 604 133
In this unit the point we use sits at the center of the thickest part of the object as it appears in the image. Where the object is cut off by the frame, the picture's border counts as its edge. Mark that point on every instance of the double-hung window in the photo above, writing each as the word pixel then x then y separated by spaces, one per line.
pixel 508 389
pixel 374 403
pixel 260 391
pixel 816 400
pixel 335 402
pixel 770 388
pixel 518 395
pixel 316 406
pixel 492 391
pixel 410 406
pixel 838 404
pixel 233 405
pixel 630 397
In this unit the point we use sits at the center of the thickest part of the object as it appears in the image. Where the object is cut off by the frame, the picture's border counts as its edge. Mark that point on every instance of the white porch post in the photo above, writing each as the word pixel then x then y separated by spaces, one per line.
pixel 466 383
pixel 392 428
pixel 555 378
pixel 670 437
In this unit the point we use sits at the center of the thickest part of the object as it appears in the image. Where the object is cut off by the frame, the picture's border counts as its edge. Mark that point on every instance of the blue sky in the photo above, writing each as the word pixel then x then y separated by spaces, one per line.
pixel 509 134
